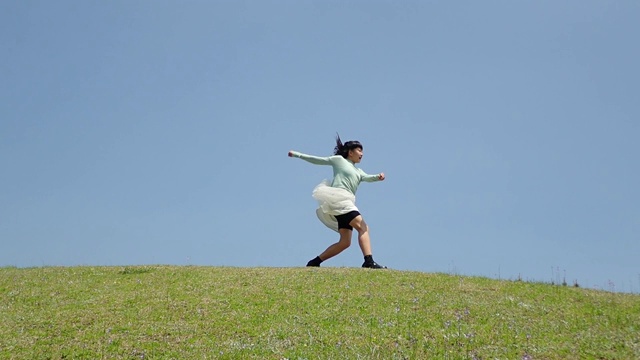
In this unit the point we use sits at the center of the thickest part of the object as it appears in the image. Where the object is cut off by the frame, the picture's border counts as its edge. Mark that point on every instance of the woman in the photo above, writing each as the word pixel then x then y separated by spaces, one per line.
pixel 337 200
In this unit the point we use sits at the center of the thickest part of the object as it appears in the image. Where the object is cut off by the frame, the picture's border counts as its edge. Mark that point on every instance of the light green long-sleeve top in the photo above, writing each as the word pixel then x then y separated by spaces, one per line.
pixel 345 173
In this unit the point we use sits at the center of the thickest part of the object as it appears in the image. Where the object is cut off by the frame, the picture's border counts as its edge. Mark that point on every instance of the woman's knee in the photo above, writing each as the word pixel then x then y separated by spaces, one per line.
pixel 359 225
pixel 345 240
pixel 343 244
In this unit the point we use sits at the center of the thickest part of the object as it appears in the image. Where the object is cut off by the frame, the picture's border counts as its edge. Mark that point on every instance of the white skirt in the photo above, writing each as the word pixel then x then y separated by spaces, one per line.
pixel 332 201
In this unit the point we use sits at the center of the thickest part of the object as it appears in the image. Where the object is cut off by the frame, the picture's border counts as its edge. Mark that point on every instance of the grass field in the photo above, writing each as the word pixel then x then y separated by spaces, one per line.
pixel 168 312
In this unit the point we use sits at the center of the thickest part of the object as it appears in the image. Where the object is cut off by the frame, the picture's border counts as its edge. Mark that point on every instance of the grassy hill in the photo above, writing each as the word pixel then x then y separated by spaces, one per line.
pixel 167 312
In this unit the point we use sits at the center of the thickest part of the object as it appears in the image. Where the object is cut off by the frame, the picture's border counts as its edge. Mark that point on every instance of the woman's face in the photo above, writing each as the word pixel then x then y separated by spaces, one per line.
pixel 355 155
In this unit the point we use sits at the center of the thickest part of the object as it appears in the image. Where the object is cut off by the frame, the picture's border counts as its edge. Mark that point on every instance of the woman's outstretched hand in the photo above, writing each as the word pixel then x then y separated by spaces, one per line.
pixel 381 176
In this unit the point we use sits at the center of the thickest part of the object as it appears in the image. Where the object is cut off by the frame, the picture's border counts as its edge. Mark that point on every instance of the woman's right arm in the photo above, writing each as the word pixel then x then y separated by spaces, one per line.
pixel 310 158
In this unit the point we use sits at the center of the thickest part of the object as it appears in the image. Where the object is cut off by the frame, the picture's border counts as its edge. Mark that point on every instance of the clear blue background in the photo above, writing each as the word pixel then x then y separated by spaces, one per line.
pixel 156 132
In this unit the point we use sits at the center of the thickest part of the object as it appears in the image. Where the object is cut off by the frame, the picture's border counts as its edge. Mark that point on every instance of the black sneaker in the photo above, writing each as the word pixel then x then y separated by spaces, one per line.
pixel 373 265
pixel 315 262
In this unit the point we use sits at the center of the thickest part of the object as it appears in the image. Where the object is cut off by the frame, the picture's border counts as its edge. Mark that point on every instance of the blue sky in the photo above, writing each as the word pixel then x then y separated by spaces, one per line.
pixel 156 132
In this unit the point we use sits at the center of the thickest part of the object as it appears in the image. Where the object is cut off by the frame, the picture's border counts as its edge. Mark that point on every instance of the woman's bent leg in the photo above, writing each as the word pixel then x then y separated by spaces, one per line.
pixel 363 234
pixel 364 241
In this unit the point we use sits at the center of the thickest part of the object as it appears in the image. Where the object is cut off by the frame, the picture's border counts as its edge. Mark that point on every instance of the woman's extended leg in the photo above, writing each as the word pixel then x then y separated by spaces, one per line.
pixel 334 249
pixel 341 245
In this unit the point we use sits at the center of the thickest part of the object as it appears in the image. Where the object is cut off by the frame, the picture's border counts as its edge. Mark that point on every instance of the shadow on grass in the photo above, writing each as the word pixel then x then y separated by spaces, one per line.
pixel 133 270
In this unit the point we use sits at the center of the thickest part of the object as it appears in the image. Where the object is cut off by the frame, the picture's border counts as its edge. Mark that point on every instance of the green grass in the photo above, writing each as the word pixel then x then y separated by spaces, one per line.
pixel 166 312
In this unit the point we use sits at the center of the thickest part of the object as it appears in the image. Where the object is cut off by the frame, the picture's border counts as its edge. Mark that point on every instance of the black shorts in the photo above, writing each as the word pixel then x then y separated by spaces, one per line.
pixel 345 219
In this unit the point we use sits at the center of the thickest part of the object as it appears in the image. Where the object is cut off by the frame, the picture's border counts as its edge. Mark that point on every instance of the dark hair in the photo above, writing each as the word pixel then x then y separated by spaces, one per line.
pixel 343 149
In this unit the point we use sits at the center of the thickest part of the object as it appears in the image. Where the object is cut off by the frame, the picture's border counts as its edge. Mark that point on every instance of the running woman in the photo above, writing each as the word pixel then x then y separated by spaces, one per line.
pixel 337 200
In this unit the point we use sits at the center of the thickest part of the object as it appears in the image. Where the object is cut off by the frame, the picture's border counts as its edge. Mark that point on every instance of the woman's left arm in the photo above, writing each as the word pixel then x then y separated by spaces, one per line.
pixel 371 178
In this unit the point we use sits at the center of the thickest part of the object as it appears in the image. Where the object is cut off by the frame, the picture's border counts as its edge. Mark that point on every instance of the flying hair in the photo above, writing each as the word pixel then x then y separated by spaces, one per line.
pixel 343 149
